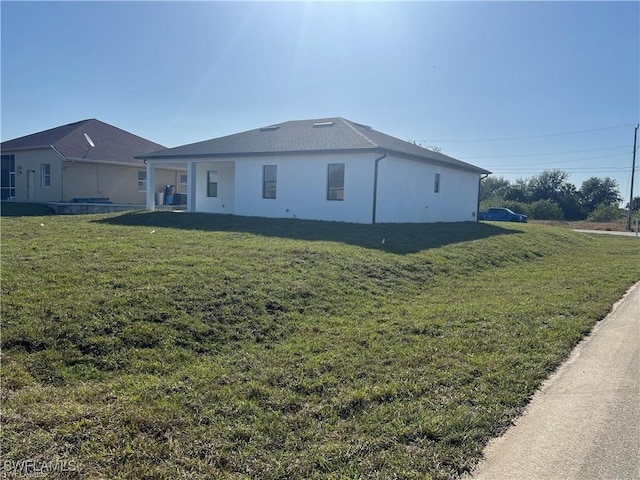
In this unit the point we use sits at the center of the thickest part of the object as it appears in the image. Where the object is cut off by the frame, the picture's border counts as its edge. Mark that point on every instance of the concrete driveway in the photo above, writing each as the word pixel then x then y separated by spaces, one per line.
pixel 584 423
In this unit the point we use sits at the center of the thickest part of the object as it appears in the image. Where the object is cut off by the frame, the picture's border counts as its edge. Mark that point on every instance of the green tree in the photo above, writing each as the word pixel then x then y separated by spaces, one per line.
pixel 519 191
pixel 596 191
pixel 635 204
pixel 550 184
pixel 553 185
pixel 493 186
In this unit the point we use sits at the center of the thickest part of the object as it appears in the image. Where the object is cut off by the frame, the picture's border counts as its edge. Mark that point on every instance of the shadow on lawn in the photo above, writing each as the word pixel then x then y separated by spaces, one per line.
pixel 23 209
pixel 401 238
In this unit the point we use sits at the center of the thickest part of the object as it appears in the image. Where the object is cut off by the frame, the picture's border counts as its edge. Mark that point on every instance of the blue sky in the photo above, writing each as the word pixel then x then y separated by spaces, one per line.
pixel 503 85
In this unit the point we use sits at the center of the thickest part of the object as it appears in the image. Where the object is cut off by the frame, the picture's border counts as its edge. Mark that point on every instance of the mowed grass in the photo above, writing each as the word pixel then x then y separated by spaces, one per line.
pixel 173 345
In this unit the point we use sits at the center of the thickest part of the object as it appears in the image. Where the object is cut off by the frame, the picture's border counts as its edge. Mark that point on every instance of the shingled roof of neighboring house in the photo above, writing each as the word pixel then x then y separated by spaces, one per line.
pixel 326 135
pixel 111 144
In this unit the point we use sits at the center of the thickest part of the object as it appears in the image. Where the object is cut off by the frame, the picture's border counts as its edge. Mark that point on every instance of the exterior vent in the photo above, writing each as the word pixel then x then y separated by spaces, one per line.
pixel 323 124
pixel 272 127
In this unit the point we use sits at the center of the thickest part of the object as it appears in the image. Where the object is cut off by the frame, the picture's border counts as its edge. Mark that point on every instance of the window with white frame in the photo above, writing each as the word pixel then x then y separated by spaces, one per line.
pixel 436 184
pixel 183 183
pixel 142 180
pixel 269 181
pixel 45 174
pixel 335 181
pixel 212 183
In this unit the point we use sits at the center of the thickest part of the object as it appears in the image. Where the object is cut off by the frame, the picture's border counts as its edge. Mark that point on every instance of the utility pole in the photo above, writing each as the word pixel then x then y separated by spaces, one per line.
pixel 633 174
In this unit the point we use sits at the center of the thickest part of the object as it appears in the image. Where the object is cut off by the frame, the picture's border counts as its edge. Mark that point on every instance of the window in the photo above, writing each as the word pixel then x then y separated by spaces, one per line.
pixel 8 183
pixel 269 181
pixel 142 181
pixel 335 182
pixel 45 174
pixel 212 183
pixel 436 184
pixel 183 184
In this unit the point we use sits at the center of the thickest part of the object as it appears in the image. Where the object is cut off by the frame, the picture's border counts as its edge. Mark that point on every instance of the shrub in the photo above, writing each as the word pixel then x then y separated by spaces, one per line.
pixel 605 212
pixel 546 210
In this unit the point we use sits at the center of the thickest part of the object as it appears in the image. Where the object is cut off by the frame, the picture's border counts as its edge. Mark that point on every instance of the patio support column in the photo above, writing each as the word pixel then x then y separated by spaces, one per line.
pixel 191 186
pixel 151 186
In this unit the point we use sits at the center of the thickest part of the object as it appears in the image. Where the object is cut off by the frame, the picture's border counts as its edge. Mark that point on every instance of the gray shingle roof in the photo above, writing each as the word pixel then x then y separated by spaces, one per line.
pixel 111 143
pixel 323 135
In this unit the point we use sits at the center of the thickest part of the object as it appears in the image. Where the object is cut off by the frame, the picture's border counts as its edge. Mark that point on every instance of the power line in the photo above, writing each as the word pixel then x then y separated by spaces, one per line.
pixel 568 161
pixel 526 137
pixel 589 173
pixel 549 153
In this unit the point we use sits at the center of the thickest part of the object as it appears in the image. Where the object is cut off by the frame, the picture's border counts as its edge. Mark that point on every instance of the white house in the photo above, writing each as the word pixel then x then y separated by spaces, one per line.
pixel 324 169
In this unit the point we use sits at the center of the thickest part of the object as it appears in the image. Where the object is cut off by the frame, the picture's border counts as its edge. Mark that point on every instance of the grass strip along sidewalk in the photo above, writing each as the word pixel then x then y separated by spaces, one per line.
pixel 168 345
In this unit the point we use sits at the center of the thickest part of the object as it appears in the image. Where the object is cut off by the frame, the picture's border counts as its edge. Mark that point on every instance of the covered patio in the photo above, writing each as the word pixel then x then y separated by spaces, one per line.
pixel 209 186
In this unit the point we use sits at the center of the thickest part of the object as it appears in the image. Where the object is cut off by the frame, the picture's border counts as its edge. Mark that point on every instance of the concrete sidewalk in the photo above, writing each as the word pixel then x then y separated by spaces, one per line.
pixel 584 423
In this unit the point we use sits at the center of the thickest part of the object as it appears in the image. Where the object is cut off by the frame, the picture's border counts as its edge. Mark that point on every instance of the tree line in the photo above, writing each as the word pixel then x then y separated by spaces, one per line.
pixel 550 196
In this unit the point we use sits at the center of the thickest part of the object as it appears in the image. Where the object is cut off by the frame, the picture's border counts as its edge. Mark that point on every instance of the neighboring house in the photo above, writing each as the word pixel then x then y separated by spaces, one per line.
pixel 89 159
pixel 326 169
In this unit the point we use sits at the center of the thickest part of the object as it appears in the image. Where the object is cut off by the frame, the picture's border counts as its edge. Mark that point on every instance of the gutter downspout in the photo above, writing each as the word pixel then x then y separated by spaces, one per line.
pixel 479 182
pixel 375 187
pixel 62 169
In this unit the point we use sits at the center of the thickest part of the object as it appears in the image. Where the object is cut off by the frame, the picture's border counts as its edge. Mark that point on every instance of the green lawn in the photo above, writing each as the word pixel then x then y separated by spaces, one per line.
pixel 174 345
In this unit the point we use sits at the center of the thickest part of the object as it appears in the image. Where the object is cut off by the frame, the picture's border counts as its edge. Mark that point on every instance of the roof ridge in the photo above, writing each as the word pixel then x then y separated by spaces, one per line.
pixel 348 123
pixel 83 123
pixel 78 125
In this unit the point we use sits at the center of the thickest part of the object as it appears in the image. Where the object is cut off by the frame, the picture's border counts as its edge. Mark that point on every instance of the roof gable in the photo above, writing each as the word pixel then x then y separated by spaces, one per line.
pixel 308 136
pixel 111 144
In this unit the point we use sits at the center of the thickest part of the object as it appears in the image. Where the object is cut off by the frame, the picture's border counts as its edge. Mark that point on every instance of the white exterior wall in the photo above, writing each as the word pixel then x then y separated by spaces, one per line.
pixel 406 193
pixel 301 190
pixel 224 202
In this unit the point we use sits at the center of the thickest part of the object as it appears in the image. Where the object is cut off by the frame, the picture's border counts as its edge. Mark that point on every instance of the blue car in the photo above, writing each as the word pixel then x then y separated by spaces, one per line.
pixel 495 214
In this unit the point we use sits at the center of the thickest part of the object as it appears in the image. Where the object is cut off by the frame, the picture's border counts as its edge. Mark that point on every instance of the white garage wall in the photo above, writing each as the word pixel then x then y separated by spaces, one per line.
pixel 406 193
